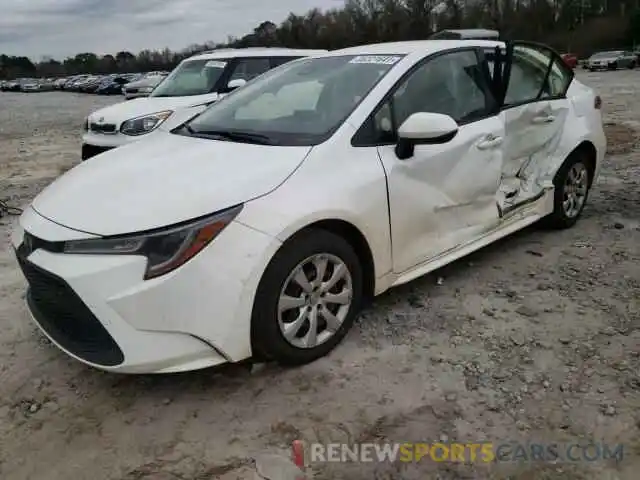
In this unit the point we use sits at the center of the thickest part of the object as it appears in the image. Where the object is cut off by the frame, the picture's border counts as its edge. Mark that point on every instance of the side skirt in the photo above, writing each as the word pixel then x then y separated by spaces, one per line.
pixel 512 219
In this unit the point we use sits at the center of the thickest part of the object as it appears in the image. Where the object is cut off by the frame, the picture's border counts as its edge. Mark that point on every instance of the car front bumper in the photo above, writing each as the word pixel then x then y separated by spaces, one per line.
pixel 96 143
pixel 99 309
pixel 602 66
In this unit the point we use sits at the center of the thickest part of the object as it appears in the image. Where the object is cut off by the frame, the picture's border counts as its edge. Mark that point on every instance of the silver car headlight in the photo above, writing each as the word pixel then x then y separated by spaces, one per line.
pixel 165 249
pixel 145 123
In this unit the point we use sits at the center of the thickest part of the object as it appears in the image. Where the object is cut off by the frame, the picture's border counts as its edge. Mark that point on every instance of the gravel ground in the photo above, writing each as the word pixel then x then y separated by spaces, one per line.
pixel 536 339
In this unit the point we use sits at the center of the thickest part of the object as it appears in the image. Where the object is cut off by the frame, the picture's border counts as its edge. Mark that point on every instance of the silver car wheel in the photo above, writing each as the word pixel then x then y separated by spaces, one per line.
pixel 315 300
pixel 575 190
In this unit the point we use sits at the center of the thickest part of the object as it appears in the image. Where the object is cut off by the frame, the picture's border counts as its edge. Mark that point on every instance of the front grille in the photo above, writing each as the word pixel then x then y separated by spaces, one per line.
pixel 64 316
pixel 89 151
pixel 102 127
pixel 132 90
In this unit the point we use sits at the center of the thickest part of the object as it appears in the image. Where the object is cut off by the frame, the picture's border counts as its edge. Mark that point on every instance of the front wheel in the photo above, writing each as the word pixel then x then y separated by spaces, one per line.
pixel 572 184
pixel 307 299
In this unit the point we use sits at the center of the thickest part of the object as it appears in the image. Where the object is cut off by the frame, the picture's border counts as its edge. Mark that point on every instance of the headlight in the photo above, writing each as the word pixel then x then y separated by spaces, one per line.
pixel 144 124
pixel 165 249
pixel 146 90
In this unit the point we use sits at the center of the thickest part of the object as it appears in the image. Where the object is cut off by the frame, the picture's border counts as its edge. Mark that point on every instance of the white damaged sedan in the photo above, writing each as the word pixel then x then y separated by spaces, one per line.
pixel 259 227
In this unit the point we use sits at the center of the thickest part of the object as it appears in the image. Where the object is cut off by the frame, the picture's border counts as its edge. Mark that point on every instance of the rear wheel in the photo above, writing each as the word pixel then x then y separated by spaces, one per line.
pixel 572 184
pixel 307 299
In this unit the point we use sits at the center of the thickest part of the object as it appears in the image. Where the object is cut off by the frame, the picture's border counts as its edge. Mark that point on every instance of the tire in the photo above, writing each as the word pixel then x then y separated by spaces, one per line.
pixel 632 65
pixel 563 217
pixel 267 323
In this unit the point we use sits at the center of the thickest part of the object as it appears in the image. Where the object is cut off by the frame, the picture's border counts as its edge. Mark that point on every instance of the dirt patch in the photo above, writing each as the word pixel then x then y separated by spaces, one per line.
pixel 620 138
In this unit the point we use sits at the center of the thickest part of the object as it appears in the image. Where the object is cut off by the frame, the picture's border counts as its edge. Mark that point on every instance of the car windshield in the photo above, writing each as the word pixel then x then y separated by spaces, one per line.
pixel 192 77
pixel 301 103
pixel 607 54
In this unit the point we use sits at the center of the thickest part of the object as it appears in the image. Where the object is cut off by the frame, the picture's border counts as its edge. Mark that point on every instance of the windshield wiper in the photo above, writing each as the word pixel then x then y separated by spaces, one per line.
pixel 233 136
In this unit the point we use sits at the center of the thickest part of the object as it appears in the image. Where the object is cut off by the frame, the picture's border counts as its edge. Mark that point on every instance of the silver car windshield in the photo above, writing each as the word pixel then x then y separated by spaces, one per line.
pixel 301 103
pixel 607 54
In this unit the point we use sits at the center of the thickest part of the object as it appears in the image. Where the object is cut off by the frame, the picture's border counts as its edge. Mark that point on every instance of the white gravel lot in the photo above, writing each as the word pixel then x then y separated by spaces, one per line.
pixel 536 339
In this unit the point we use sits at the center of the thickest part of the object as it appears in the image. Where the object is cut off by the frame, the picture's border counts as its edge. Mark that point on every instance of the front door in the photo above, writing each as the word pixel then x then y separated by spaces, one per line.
pixel 534 113
pixel 444 195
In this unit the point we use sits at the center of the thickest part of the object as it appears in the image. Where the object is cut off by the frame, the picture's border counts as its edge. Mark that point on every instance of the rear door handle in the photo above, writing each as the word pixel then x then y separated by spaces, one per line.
pixel 543 119
pixel 489 142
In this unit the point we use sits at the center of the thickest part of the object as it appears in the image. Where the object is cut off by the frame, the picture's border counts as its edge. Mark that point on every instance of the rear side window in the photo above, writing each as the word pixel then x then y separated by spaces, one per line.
pixel 537 73
pixel 249 68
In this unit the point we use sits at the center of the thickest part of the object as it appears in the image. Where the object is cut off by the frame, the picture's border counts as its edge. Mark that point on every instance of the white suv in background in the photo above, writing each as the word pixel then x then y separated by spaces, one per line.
pixel 195 83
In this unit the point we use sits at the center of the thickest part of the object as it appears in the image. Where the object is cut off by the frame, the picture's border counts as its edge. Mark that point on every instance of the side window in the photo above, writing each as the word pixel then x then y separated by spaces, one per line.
pixel 529 71
pixel 559 78
pixel 249 68
pixel 451 84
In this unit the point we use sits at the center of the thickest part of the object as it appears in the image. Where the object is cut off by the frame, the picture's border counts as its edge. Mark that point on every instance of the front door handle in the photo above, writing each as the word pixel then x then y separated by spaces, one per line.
pixel 543 119
pixel 489 142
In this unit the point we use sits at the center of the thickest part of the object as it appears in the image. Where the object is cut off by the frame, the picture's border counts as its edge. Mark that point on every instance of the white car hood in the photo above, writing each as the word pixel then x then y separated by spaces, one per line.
pixel 163 180
pixel 121 112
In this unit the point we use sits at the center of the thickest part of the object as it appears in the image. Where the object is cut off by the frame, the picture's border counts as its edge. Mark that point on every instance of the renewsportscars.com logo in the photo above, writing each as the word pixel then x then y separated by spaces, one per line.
pixel 455 452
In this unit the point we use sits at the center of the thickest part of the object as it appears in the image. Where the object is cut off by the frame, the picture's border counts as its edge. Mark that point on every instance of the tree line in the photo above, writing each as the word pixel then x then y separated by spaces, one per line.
pixel 577 26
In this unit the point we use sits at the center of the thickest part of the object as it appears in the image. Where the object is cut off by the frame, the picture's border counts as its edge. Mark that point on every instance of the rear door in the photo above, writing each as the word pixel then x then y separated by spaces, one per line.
pixel 534 112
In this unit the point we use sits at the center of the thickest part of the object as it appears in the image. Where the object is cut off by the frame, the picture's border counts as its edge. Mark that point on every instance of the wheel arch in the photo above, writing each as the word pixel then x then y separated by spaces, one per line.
pixel 354 236
pixel 587 149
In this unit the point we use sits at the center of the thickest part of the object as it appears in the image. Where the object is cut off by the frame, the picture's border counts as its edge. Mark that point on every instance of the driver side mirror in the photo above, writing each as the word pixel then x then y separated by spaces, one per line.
pixel 235 84
pixel 424 128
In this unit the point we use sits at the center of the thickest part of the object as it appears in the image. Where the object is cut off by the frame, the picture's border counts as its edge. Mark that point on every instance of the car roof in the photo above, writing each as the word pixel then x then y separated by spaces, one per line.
pixel 254 52
pixel 419 46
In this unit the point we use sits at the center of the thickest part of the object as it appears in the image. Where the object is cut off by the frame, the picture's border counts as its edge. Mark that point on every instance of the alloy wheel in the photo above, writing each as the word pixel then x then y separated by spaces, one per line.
pixel 315 300
pixel 575 190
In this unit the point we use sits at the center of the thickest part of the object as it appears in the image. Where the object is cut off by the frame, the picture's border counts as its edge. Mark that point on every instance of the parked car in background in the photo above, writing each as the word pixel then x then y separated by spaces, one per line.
pixel 58 84
pixel 142 87
pixel 76 83
pixel 611 60
pixel 112 85
pixel 94 84
pixel 12 86
pixel 75 80
pixel 30 85
pixel 193 84
pixel 570 59
pixel 47 84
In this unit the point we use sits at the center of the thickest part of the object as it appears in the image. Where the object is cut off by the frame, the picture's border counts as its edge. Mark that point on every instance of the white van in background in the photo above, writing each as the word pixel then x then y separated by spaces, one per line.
pixel 195 83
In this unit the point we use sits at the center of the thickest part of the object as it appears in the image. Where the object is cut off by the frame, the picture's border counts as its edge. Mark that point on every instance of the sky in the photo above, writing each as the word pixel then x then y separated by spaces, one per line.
pixel 61 28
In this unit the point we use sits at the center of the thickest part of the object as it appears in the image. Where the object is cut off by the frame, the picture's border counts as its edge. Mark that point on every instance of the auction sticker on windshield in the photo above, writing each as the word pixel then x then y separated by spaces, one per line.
pixel 376 59
pixel 215 64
